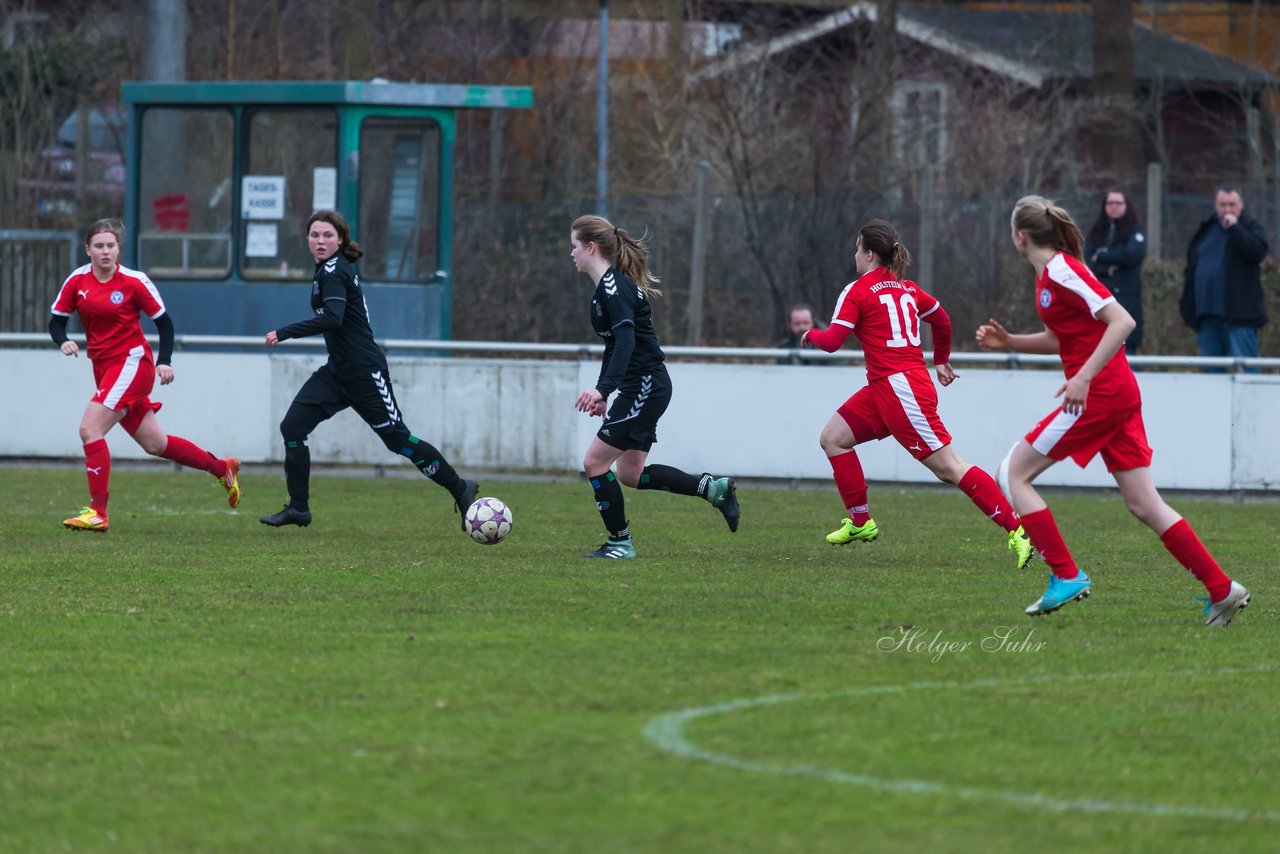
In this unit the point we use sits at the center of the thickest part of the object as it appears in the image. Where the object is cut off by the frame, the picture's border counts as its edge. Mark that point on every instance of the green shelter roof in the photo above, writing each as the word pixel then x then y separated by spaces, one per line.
pixel 366 92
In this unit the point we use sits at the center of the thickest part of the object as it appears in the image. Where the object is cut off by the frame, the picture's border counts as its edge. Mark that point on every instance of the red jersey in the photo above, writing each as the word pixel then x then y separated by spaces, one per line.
pixel 885 314
pixel 1068 299
pixel 109 310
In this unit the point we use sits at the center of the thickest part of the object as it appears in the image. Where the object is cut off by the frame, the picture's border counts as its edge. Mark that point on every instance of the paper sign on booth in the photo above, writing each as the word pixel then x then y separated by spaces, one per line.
pixel 262 197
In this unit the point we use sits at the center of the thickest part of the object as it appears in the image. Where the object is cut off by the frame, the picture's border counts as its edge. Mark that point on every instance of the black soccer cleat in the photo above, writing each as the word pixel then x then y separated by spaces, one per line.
pixel 288 516
pixel 464 496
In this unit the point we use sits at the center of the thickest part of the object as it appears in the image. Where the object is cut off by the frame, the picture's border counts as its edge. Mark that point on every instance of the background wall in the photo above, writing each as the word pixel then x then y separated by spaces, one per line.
pixel 1210 431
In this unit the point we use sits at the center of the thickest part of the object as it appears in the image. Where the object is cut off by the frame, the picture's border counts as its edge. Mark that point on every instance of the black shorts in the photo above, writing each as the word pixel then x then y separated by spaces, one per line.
pixel 370 395
pixel 632 421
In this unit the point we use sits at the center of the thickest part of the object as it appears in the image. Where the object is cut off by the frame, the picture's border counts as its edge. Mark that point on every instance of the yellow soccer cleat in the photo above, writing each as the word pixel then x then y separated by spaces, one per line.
pixel 231 482
pixel 1020 545
pixel 849 533
pixel 88 520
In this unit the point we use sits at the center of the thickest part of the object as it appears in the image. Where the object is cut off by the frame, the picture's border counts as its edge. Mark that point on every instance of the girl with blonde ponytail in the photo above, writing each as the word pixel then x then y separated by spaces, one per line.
pixel 634 367
pixel 1101 412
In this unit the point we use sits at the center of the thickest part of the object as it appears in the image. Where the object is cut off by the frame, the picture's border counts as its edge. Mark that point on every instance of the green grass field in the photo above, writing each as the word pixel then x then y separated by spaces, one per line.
pixel 377 682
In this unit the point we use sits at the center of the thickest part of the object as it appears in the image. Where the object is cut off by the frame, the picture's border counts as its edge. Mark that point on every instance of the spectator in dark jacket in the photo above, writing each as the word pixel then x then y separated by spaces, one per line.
pixel 1114 251
pixel 1222 291
pixel 799 321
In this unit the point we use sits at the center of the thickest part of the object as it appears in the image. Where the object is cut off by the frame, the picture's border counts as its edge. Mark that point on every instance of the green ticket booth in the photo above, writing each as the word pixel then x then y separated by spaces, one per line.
pixel 223 176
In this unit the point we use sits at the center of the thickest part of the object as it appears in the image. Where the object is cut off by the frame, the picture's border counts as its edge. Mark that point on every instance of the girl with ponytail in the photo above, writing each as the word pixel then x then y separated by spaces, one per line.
pixel 1101 412
pixel 883 309
pixel 634 367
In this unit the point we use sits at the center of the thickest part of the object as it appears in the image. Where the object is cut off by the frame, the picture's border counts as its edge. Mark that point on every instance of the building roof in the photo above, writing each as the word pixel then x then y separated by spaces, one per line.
pixel 1031 47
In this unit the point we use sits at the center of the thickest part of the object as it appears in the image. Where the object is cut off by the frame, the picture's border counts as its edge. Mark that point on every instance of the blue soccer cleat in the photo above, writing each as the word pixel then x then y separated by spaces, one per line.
pixel 1060 592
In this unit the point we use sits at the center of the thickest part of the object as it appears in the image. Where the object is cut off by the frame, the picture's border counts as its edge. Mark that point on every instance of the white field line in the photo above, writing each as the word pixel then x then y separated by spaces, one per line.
pixel 667 732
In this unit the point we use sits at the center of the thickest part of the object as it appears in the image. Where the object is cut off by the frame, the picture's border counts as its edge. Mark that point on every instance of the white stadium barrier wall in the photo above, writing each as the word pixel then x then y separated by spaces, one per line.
pixel 1209 431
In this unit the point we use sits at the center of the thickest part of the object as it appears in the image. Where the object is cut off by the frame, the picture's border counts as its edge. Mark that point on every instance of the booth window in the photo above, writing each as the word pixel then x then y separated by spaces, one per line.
pixel 185 193
pixel 399 199
pixel 291 171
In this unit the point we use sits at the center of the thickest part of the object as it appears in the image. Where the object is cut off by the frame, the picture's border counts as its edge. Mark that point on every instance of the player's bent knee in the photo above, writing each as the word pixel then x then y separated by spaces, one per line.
pixel 293 430
pixel 396 441
pixel 833 444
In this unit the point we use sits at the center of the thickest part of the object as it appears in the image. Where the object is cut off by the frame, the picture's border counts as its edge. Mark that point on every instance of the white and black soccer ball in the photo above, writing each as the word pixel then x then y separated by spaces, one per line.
pixel 488 521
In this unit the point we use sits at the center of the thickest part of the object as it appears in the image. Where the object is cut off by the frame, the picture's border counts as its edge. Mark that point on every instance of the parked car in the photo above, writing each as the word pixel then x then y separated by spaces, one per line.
pixel 50 175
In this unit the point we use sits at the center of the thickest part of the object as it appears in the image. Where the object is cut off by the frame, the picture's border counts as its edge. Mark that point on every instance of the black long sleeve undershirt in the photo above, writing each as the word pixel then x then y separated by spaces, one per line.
pixel 58 329
pixel 164 326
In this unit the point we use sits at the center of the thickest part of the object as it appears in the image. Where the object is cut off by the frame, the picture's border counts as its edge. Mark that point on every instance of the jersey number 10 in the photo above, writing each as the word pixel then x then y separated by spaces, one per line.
pixel 904 314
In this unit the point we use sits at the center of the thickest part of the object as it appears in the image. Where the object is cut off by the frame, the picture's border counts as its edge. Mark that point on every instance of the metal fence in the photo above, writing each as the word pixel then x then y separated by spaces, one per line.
pixel 32 266
pixel 513 280
pixel 517 350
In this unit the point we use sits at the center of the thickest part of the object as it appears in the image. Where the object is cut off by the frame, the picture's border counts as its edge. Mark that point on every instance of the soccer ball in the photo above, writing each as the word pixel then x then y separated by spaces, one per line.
pixel 488 521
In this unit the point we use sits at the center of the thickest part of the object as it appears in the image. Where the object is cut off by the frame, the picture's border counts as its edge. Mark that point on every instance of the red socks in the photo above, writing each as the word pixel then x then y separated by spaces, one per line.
pixel 852 485
pixel 97 465
pixel 986 495
pixel 1183 544
pixel 184 453
pixel 1047 539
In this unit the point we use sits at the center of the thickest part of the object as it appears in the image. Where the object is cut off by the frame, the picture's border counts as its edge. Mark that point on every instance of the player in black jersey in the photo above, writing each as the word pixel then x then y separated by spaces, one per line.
pixel 355 376
pixel 633 366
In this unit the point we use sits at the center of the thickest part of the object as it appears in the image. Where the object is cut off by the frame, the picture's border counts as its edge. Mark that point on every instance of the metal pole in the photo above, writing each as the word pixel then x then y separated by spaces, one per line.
pixel 164 54
pixel 698 264
pixel 602 115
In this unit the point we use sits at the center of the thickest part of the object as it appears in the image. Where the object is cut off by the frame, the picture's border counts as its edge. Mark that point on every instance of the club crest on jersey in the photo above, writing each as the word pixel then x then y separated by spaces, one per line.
pixel 117 297
pixel 1045 297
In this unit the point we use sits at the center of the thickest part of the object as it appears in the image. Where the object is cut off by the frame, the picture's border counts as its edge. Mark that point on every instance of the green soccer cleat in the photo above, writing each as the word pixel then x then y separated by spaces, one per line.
pixel 723 495
pixel 1020 545
pixel 850 533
